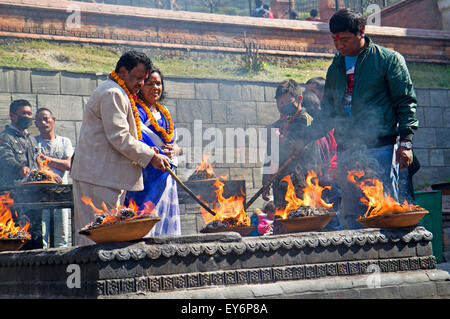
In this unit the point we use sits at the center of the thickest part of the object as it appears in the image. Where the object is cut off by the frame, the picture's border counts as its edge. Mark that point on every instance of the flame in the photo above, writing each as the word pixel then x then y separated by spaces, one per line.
pixel 205 166
pixel 45 169
pixel 312 195
pixel 231 207
pixel 8 229
pixel 112 215
pixel 377 203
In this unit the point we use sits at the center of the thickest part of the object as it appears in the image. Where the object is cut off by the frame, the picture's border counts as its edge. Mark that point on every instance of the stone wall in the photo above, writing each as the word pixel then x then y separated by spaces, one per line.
pixel 198 104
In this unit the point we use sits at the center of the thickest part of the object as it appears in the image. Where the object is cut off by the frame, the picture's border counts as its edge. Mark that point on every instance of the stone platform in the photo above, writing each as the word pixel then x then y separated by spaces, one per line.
pixel 228 265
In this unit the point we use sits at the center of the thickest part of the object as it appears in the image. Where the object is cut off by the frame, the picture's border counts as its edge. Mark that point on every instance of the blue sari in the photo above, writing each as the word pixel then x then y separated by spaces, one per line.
pixel 159 187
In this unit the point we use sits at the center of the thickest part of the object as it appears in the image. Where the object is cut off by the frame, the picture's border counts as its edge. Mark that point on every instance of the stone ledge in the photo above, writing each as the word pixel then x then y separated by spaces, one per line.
pixel 399 285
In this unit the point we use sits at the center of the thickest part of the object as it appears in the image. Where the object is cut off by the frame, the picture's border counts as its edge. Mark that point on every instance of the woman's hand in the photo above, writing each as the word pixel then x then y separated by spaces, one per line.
pixel 172 150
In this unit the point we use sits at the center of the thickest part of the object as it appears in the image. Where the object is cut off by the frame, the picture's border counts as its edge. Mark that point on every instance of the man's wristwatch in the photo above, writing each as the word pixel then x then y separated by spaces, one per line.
pixel 406 144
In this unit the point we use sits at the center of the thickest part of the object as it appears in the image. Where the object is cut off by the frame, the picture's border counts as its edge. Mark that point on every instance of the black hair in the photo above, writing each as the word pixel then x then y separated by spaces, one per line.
pixel 131 58
pixel 43 109
pixel 318 81
pixel 293 15
pixel 313 13
pixel 18 103
pixel 258 3
pixel 347 20
pixel 311 102
pixel 288 86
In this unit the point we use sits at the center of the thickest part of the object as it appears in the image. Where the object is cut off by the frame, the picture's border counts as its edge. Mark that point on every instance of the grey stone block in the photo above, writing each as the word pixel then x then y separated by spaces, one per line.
pixel 5 85
pixel 66 129
pixel 219 111
pixel 252 92
pixel 447 157
pixel 20 81
pixel 45 82
pixel 206 91
pixel 437 157
pixel 230 91
pixel 243 113
pixel 171 105
pixel 179 89
pixel 425 138
pixel 63 107
pixel 421 290
pixel 433 117
pixel 439 97
pixel 443 288
pixel 269 92
pixel 442 137
pixel 78 83
pixel 5 101
pixel 267 113
pixel 422 156
pixel 189 111
pixel 446 116
pixel 423 97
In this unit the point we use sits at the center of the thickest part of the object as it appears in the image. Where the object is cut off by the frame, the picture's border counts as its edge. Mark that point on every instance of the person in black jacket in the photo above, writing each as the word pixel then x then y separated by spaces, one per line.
pixel 18 152
pixel 18 149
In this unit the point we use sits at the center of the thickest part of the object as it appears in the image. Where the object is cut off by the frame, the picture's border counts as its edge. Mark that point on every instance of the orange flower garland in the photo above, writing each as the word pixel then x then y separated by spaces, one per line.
pixel 121 82
pixel 166 135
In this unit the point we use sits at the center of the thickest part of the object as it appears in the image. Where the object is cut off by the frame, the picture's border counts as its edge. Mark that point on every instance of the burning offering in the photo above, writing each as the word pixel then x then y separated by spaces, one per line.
pixel 121 223
pixel 309 213
pixel 383 210
pixel 203 171
pixel 44 174
pixel 12 237
pixel 230 213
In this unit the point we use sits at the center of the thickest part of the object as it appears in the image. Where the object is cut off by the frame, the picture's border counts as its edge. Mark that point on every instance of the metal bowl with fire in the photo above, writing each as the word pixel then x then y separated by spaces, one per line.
pixel 43 174
pixel 309 213
pixel 12 237
pixel 123 223
pixel 382 210
pixel 229 213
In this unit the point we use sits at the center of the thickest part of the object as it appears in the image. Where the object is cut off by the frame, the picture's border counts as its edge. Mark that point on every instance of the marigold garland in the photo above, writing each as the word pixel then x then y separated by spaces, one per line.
pixel 166 135
pixel 121 82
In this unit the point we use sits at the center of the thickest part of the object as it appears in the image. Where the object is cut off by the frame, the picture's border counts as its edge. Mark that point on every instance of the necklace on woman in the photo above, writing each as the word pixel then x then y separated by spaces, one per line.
pixel 168 134
pixel 121 82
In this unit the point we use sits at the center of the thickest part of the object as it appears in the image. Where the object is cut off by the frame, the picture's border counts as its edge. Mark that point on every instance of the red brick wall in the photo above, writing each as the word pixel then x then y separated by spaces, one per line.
pixel 422 14
pixel 117 25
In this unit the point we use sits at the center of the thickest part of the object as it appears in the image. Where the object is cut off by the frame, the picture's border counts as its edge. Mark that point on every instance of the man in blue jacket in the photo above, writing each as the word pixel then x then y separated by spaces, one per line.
pixel 369 99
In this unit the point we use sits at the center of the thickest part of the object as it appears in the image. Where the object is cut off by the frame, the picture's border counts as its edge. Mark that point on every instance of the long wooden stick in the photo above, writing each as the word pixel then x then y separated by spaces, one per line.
pixel 272 178
pixel 198 200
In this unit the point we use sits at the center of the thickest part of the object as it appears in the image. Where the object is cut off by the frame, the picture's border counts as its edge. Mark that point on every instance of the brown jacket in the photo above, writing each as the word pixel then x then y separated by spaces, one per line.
pixel 108 152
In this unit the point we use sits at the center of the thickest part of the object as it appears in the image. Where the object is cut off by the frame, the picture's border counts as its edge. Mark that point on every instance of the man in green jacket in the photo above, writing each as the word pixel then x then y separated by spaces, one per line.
pixel 369 99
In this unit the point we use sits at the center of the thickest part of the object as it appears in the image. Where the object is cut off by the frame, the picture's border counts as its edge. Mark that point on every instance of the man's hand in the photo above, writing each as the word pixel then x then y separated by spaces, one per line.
pixel 404 156
pixel 160 162
pixel 265 194
pixel 24 171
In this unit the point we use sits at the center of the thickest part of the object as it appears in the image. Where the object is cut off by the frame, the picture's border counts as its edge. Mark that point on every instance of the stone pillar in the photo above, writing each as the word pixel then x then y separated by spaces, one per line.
pixel 327 8
pixel 444 7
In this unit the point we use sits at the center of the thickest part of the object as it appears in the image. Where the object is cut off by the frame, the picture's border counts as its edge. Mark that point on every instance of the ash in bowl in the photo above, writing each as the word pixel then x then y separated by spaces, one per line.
pixel 304 211
pixel 226 223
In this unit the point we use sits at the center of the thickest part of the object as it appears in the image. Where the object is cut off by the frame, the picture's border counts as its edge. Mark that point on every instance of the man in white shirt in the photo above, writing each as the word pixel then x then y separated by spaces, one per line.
pixel 58 151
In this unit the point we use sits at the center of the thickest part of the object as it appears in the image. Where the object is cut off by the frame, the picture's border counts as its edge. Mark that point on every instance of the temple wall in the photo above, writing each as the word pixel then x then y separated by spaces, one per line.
pixel 198 105
pixel 125 25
